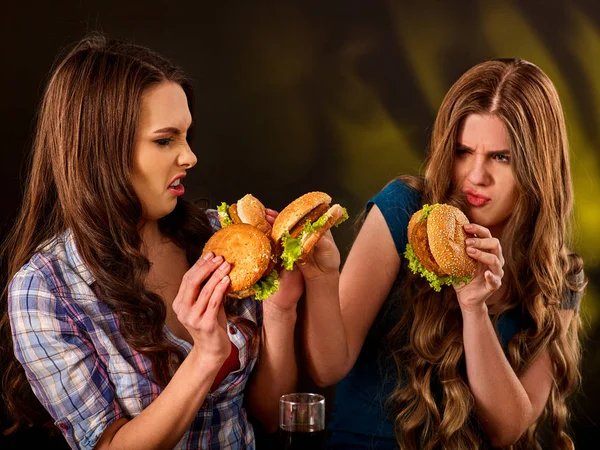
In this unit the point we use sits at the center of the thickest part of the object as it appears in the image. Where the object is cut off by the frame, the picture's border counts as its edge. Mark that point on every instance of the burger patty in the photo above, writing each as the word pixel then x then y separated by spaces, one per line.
pixel 233 214
pixel 313 215
pixel 420 243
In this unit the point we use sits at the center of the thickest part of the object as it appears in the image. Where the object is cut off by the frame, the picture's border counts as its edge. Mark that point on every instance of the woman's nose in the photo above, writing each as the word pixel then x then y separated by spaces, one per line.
pixel 187 158
pixel 478 172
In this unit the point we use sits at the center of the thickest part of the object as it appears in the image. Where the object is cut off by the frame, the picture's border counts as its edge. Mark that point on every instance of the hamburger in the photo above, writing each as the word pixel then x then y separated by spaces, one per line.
pixel 250 253
pixel 247 209
pixel 436 246
pixel 301 224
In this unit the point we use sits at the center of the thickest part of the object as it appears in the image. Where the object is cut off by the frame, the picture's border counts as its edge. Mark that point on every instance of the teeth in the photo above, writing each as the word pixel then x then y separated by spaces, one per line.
pixel 176 183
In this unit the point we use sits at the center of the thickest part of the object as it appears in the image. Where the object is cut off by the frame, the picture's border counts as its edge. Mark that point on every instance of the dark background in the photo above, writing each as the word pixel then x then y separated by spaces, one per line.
pixel 330 95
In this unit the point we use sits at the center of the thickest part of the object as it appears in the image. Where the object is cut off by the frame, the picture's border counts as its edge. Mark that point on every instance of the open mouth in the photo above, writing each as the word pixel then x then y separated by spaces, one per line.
pixel 176 188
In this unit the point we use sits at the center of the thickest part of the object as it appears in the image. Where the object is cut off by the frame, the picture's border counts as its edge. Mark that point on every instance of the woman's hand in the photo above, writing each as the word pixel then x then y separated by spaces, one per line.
pixel 270 215
pixel 486 250
pixel 291 286
pixel 323 260
pixel 199 307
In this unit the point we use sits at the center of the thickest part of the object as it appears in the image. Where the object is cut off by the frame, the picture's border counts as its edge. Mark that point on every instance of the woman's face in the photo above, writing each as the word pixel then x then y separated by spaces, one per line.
pixel 483 172
pixel 162 154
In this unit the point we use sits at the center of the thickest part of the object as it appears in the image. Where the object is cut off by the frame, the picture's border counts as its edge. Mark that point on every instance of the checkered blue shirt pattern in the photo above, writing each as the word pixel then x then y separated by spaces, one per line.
pixel 84 373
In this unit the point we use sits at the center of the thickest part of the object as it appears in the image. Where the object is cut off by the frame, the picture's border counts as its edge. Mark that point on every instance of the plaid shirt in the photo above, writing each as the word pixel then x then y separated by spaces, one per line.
pixel 84 373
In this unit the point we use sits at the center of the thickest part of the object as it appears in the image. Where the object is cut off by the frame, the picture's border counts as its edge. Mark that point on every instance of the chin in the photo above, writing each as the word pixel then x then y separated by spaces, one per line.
pixel 480 218
pixel 168 212
pixel 161 214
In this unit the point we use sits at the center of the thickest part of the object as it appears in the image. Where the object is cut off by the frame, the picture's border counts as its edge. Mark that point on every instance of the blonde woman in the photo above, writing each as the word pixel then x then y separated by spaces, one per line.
pixel 480 364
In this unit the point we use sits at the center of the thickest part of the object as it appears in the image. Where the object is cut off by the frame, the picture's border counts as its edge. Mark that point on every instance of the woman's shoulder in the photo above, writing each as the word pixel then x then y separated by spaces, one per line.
pixel 32 289
pixel 397 194
pixel 56 268
pixel 41 264
pixel 397 202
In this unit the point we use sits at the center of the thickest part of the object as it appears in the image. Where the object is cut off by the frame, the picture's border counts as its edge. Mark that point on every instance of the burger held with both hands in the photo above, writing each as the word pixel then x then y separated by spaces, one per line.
pixel 256 249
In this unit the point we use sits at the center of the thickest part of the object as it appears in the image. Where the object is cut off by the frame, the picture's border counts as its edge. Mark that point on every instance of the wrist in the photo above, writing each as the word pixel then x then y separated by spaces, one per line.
pixel 323 279
pixel 474 310
pixel 272 311
pixel 205 361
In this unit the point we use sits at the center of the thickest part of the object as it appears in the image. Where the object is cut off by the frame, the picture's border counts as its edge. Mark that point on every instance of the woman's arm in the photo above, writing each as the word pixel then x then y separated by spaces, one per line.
pixel 276 372
pixel 506 404
pixel 163 423
pixel 340 309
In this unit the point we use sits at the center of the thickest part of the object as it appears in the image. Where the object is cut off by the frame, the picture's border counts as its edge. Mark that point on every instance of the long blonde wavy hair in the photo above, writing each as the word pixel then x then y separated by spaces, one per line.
pixel 432 403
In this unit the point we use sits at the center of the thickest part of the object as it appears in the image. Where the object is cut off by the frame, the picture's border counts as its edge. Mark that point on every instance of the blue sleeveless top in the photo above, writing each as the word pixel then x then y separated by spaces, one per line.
pixel 358 418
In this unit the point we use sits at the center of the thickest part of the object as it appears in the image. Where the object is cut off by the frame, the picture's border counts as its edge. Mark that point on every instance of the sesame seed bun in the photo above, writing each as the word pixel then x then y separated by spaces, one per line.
pixel 309 240
pixel 251 211
pixel 296 211
pixel 248 250
pixel 438 241
pixel 301 224
pixel 446 238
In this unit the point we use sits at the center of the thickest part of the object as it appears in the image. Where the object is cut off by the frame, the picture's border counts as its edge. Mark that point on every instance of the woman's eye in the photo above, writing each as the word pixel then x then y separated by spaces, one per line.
pixel 461 151
pixel 164 142
pixel 500 157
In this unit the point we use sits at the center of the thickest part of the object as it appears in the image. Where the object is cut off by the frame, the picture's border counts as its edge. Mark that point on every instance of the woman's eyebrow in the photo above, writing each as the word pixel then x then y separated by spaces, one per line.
pixel 168 130
pixel 501 152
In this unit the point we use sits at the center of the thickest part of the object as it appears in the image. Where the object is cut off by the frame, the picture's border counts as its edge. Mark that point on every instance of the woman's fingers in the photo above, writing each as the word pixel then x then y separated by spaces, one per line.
pixel 489 259
pixel 192 281
pixel 270 215
pixel 483 243
pixel 491 245
pixel 473 228
pixel 213 308
pixel 207 291
pixel 493 282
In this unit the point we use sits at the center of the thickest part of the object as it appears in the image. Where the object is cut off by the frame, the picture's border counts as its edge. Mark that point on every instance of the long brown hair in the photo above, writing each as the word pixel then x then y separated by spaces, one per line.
pixel 85 139
pixel 432 403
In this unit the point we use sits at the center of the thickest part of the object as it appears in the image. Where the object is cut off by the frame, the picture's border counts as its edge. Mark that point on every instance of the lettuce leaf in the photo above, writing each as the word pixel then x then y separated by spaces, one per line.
pixel 344 217
pixel 266 286
pixel 309 227
pixel 292 249
pixel 435 281
pixel 426 210
pixel 223 211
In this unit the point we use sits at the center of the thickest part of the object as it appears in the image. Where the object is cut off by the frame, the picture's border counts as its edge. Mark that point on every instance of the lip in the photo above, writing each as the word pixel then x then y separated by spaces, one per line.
pixel 178 190
pixel 178 177
pixel 476 199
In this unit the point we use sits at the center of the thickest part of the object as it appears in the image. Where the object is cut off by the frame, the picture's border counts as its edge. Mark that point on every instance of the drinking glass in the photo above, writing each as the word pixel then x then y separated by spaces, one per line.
pixel 302 422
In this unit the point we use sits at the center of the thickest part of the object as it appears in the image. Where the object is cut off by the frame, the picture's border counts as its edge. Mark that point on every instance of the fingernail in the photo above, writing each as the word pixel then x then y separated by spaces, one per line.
pixel 470 241
pixel 217 259
pixel 224 266
pixel 471 250
pixel 208 256
pixel 468 226
pixel 225 279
